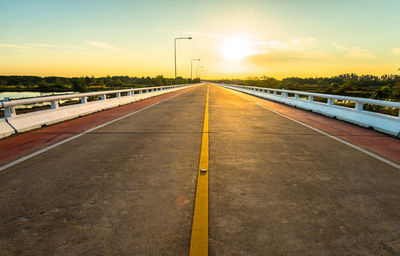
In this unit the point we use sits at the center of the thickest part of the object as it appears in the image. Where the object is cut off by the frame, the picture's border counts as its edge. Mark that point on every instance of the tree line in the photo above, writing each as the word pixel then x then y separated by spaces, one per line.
pixel 385 87
pixel 83 84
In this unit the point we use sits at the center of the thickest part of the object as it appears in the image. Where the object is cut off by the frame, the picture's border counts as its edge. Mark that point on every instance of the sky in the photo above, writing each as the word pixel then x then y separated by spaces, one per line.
pixel 233 39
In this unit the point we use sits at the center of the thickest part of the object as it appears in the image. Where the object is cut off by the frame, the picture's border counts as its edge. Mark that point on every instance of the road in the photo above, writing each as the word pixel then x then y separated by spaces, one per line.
pixel 276 187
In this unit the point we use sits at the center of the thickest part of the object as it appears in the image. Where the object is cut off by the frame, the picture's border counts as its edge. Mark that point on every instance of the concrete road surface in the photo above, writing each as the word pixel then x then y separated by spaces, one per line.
pixel 275 188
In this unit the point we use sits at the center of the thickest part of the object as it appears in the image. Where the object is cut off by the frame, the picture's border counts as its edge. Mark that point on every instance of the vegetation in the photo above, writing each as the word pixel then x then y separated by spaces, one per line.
pixel 83 84
pixel 386 87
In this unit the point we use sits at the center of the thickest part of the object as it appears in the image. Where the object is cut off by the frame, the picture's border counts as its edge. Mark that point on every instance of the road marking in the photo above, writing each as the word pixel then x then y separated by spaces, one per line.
pixel 199 237
pixel 393 164
pixel 15 162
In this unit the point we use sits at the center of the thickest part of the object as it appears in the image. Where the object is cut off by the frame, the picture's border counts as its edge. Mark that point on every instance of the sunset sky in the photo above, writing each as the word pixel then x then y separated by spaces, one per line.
pixel 233 39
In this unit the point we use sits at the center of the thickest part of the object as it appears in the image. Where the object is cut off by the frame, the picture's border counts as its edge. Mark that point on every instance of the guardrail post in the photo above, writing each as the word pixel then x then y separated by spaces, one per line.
pixel 118 95
pixel 311 98
pixel 359 106
pixel 83 100
pixel 54 104
pixel 274 92
pixel 284 94
pixel 330 101
pixel 296 96
pixel 268 92
pixel 103 97
pixel 9 112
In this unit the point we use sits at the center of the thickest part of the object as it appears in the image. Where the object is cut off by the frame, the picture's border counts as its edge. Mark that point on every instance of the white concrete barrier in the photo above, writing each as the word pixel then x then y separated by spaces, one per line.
pixel 33 120
pixel 5 129
pixel 357 115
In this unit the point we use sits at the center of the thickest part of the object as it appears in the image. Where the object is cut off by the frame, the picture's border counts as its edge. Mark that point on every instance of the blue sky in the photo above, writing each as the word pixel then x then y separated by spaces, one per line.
pixel 277 38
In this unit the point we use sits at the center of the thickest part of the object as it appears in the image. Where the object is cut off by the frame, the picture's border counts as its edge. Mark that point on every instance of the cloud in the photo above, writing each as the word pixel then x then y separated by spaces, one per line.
pixel 396 50
pixel 274 44
pixel 213 35
pixel 295 49
pixel 356 52
pixel 201 34
pixel 290 56
pixel 302 41
pixel 41 45
pixel 192 33
pixel 272 50
pixel 316 55
pixel 73 47
pixel 104 46
pixel 15 46
pixel 292 44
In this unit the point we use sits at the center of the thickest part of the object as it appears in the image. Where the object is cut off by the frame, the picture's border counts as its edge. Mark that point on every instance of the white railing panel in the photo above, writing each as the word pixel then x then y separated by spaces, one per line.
pixel 357 115
pixel 33 120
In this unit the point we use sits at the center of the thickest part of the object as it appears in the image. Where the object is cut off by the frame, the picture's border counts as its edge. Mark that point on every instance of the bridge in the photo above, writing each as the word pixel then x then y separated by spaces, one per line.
pixel 204 169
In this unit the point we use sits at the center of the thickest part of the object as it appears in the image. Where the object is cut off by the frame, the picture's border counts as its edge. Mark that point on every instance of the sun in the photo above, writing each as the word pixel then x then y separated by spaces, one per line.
pixel 236 48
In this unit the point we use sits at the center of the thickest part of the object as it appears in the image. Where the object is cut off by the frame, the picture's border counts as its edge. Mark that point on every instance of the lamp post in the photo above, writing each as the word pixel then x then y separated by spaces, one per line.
pixel 191 68
pixel 175 49
pixel 197 71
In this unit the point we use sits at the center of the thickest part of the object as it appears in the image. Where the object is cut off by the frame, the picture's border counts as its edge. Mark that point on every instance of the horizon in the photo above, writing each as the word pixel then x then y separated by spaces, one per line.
pixel 233 39
pixel 260 77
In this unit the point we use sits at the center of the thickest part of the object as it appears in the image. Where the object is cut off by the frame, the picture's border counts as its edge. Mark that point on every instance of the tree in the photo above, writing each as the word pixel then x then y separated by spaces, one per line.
pixel 118 82
pixel 92 80
pixel 43 85
pixel 108 81
pixel 59 82
pixel 159 81
pixel 334 85
pixel 179 80
pixel 79 85
pixel 396 91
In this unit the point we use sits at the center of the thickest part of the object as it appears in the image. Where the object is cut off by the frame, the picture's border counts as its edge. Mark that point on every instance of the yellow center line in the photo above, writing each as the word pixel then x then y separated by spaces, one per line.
pixel 199 238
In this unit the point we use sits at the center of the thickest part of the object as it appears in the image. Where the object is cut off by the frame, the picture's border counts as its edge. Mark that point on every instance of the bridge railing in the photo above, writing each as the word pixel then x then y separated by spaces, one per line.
pixel 9 106
pixel 78 105
pixel 357 115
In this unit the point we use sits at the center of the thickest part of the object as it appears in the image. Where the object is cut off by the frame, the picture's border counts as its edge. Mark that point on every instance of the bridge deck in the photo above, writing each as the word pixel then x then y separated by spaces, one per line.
pixel 276 187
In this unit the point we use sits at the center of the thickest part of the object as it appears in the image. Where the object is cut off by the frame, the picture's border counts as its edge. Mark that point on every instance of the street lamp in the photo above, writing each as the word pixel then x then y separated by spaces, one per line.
pixel 197 71
pixel 191 68
pixel 175 48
